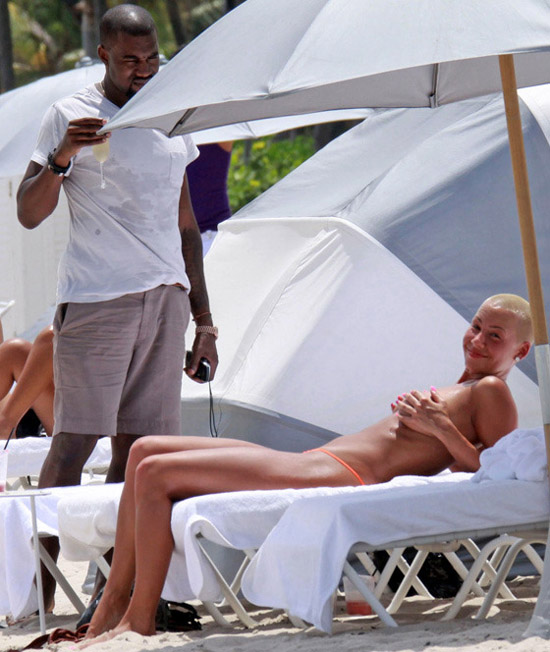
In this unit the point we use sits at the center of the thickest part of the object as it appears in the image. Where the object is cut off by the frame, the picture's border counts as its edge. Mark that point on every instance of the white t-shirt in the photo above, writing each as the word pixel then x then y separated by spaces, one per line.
pixel 123 238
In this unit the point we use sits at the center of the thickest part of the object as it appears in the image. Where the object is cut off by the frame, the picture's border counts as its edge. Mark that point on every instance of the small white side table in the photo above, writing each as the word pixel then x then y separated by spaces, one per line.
pixel 31 495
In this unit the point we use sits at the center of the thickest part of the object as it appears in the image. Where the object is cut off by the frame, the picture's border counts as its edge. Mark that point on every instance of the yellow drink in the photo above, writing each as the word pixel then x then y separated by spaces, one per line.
pixel 101 152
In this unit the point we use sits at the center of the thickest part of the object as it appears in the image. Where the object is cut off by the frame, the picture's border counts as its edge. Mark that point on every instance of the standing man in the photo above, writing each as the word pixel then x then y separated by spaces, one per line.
pixel 132 271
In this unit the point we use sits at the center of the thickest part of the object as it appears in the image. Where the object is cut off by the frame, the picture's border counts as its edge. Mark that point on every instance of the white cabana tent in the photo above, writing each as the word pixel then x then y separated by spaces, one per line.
pixel 29 259
pixel 352 278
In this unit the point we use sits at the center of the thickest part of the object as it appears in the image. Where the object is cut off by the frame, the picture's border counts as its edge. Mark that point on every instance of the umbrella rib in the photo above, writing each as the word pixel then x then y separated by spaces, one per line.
pixel 434 100
pixel 185 115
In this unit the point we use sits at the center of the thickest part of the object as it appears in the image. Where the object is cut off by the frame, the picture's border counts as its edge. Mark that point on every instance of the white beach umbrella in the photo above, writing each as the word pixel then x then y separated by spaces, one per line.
pixel 270 58
pixel 22 110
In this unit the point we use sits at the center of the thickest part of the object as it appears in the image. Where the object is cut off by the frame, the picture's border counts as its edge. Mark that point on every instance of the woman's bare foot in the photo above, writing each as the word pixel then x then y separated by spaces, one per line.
pixel 123 627
pixel 107 616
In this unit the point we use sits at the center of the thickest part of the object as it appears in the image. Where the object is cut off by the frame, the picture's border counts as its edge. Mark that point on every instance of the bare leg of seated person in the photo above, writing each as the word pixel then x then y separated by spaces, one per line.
pixel 31 367
pixel 163 470
pixel 120 446
pixel 13 356
pixel 123 562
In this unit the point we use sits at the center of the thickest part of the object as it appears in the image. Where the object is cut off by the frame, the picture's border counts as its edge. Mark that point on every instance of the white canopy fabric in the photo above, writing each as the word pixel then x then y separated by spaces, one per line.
pixel 352 278
pixel 268 58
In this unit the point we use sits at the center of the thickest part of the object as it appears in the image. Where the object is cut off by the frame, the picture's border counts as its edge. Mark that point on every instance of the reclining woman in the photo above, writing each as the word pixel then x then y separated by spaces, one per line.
pixel 30 366
pixel 426 432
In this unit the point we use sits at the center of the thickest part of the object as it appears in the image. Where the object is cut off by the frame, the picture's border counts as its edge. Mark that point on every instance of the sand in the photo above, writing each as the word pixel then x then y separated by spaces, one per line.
pixel 420 628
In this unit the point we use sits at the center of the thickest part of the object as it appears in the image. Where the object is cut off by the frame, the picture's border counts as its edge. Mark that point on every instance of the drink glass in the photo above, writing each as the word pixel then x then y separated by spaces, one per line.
pixel 355 602
pixel 101 154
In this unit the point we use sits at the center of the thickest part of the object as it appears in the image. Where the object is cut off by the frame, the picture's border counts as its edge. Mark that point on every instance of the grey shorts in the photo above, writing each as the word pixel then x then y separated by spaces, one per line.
pixel 118 364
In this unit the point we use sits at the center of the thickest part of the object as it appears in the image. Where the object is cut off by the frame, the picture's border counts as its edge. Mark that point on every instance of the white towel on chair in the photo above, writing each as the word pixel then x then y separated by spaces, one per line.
pixel 26 456
pixel 520 455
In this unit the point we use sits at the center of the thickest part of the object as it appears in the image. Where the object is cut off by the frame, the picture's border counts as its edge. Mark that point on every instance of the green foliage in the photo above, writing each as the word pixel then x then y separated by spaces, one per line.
pixel 256 167
pixel 203 15
pixel 30 20
pixel 35 21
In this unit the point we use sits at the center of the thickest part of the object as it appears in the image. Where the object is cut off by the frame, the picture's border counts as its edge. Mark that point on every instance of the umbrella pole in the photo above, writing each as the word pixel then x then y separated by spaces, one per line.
pixel 540 620
pixel 528 238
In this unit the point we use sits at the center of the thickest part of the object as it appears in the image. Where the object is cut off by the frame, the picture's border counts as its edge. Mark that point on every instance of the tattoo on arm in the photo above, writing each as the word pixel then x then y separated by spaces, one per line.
pixel 192 254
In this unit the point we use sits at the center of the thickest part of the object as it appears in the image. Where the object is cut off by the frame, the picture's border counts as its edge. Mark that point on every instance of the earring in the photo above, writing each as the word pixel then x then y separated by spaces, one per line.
pixel 517 358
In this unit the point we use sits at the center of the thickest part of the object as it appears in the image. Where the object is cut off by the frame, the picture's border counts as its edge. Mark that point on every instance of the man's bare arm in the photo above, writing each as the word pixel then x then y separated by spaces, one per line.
pixel 204 345
pixel 38 193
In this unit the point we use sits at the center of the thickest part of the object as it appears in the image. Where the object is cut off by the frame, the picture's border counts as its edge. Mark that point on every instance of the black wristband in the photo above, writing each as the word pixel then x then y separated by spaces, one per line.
pixel 57 169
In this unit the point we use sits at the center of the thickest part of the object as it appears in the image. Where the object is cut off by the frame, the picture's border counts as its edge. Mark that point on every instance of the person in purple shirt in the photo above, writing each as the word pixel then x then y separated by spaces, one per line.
pixel 207 178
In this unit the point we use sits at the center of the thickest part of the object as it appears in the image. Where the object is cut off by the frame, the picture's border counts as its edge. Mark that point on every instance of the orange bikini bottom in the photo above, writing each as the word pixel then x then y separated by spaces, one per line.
pixel 335 457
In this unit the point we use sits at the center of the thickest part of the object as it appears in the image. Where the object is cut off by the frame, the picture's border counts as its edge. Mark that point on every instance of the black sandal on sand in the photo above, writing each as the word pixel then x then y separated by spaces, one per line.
pixel 89 611
pixel 176 617
pixel 170 616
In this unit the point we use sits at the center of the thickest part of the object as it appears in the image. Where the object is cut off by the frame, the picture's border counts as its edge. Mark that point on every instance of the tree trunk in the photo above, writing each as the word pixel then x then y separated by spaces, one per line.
pixel 7 79
pixel 87 30
pixel 100 7
pixel 231 4
pixel 176 21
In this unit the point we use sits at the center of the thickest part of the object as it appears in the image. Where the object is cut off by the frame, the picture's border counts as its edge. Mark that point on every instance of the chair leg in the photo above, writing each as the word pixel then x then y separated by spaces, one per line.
pixel 503 571
pixel 103 566
pixel 479 565
pixel 416 582
pixel 407 581
pixel 462 571
pixel 387 571
pixel 504 568
pixel 228 593
pixel 496 550
pixel 236 583
pixel 61 579
pixel 216 614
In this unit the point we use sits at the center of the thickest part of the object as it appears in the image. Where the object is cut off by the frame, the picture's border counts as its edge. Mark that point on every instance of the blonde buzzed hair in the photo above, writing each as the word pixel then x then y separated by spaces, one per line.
pixel 520 307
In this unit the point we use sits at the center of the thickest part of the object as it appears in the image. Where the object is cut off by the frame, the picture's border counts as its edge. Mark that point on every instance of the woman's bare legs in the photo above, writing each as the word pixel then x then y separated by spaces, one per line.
pixel 31 366
pixel 13 355
pixel 159 481
pixel 116 596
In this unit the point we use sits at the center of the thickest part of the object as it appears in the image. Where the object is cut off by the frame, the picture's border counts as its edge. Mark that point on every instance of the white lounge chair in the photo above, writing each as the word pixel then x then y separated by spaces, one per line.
pixel 251 520
pixel 406 511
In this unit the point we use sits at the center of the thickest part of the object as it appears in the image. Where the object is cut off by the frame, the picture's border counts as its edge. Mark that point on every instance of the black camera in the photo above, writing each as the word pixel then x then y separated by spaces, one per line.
pixel 203 370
